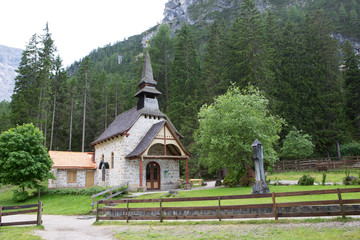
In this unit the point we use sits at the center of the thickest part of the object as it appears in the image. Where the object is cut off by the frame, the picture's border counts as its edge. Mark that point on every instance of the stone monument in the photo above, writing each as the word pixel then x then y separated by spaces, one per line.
pixel 260 185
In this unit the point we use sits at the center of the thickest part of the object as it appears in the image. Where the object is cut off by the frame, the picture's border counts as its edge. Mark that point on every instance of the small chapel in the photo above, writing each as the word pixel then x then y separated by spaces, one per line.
pixel 141 146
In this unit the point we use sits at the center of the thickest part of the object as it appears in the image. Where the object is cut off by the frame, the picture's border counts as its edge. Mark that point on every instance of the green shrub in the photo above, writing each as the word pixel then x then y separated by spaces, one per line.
pixel 296 145
pixel 350 180
pixel 306 180
pixel 246 181
pixel 350 149
pixel 74 191
pixel 231 180
pixel 323 178
pixel 20 196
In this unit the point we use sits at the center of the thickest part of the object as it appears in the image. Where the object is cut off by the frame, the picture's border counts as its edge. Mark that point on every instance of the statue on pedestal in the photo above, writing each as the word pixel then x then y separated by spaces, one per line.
pixel 260 185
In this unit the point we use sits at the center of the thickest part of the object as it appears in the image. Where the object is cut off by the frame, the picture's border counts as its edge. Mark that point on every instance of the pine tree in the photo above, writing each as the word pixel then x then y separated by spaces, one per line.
pixel 324 107
pixel 161 51
pixel 84 79
pixel 352 86
pixel 24 100
pixel 214 64
pixel 248 61
pixel 185 84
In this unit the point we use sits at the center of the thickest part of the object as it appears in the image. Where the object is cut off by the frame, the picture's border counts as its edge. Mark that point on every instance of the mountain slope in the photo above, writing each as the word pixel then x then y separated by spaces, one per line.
pixel 9 62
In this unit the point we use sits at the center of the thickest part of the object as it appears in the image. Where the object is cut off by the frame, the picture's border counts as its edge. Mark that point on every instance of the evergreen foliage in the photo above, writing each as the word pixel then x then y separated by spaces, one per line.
pixel 351 73
pixel 288 54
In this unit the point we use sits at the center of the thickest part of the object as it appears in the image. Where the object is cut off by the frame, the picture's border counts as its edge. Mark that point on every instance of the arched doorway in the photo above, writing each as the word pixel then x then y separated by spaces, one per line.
pixel 152 176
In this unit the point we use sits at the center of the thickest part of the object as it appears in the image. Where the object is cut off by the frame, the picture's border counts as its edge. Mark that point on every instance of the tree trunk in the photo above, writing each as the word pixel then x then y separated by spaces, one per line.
pixel 52 122
pixel 84 113
pixel 338 150
pixel 166 85
pixel 71 116
pixel 106 107
pixel 116 100
pixel 45 129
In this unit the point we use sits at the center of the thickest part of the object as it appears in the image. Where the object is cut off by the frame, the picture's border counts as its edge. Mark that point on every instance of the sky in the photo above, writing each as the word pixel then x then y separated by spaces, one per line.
pixel 77 26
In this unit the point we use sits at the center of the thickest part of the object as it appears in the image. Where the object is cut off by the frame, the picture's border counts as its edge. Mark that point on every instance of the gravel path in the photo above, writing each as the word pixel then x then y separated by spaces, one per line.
pixel 58 227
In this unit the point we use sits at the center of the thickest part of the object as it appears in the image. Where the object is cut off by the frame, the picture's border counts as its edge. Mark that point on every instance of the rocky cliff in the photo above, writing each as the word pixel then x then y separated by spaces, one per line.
pixel 193 11
pixel 9 62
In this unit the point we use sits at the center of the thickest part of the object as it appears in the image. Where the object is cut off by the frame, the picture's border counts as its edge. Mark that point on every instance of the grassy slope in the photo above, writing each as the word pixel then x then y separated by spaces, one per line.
pixel 245 190
pixel 331 176
pixel 23 233
pixel 62 205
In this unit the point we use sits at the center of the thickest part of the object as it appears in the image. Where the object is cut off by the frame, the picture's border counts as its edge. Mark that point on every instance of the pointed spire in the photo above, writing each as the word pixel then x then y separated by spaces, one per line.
pixel 147 74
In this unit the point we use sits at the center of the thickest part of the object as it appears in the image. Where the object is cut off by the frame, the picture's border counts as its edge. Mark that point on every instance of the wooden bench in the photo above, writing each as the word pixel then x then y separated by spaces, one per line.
pixel 192 181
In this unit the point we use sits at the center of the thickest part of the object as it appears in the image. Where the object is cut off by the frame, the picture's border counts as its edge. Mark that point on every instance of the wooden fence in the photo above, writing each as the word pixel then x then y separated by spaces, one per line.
pixel 31 208
pixel 111 193
pixel 317 164
pixel 158 213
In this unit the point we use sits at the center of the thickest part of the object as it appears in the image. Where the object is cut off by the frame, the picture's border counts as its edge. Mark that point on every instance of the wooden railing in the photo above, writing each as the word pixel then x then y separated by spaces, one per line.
pixel 317 164
pixel 162 213
pixel 31 208
pixel 111 193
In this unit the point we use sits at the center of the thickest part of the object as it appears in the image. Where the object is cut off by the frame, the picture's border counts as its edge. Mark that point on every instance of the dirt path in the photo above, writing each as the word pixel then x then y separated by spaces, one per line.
pixel 58 227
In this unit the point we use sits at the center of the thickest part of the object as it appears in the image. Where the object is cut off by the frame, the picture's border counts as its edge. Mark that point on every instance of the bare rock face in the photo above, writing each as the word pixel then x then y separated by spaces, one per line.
pixel 176 10
pixel 9 62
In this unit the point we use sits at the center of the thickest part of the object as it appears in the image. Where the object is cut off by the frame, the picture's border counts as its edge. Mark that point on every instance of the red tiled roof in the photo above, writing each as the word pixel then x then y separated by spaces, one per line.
pixel 72 160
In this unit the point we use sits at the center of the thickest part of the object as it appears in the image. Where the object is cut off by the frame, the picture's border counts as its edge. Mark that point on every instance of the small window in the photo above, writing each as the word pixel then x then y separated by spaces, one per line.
pixel 112 160
pixel 71 176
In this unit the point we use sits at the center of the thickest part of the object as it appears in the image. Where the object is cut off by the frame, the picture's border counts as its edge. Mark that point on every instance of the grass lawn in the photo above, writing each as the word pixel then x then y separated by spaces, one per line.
pixel 331 176
pixel 52 204
pixel 19 233
pixel 245 190
pixel 316 228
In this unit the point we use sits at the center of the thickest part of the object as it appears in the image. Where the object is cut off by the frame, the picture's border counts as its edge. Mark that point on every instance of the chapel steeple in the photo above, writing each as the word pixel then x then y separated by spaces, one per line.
pixel 147 93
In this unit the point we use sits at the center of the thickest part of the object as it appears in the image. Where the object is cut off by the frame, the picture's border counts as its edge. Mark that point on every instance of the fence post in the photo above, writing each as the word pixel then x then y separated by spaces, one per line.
pixel 0 214
pixel 161 212
pixel 219 209
pixel 341 203
pixel 93 203
pixel 275 208
pixel 39 213
pixel 97 211
pixel 127 211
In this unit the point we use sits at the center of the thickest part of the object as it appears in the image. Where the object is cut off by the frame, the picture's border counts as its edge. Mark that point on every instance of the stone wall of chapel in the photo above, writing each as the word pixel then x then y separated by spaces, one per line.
pixel 169 173
pixel 124 170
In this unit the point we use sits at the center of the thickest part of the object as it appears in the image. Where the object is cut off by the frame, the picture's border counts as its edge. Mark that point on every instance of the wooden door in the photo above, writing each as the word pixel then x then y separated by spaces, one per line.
pixel 89 181
pixel 152 176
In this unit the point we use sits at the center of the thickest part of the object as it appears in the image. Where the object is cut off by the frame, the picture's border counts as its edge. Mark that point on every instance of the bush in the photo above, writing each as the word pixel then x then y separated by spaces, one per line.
pixel 350 149
pixel 324 178
pixel 231 180
pixel 20 196
pixel 296 145
pixel 73 191
pixel 306 180
pixel 350 180
pixel 246 181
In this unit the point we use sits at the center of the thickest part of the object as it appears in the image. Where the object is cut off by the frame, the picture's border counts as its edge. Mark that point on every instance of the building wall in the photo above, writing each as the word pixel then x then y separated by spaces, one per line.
pixel 124 170
pixel 60 180
pixel 169 173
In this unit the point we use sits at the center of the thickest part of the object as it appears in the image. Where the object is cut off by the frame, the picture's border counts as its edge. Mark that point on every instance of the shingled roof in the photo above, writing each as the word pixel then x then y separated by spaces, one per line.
pixel 147 74
pixel 145 142
pixel 126 120
pixel 72 160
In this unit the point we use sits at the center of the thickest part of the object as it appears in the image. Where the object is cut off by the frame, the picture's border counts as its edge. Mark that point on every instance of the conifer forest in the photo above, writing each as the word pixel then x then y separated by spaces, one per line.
pixel 310 79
